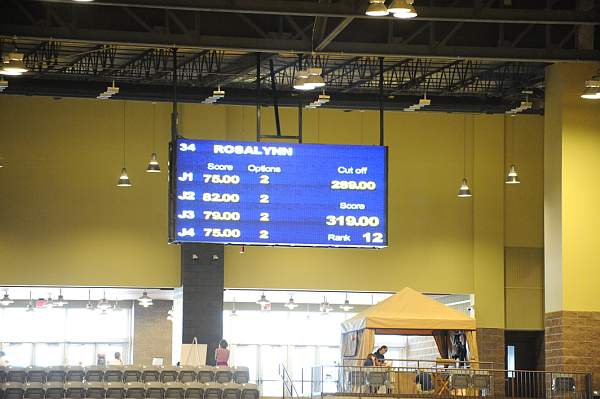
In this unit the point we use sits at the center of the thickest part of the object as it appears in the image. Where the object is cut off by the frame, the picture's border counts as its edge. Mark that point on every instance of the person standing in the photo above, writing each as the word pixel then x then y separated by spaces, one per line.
pixel 222 354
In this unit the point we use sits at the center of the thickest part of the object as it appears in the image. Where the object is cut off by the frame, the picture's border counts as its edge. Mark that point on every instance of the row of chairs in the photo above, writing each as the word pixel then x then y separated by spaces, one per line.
pixel 125 374
pixel 133 390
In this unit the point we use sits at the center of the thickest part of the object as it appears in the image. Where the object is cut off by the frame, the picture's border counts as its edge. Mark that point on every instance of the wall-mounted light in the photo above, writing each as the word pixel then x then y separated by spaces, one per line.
pixel 423 102
pixel 109 92
pixel 3 85
pixel 216 96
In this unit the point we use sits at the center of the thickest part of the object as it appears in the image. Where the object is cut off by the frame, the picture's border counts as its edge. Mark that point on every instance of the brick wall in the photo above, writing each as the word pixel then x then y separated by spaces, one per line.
pixel 490 343
pixel 572 343
pixel 152 333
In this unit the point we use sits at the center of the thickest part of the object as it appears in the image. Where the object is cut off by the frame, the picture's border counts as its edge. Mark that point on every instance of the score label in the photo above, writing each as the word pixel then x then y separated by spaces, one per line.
pixel 280 194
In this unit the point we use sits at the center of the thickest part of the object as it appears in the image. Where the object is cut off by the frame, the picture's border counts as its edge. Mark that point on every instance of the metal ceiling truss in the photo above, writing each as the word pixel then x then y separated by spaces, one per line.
pixel 539 31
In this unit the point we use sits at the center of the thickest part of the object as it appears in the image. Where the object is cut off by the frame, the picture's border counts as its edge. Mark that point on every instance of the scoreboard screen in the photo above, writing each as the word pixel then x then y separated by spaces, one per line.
pixel 279 194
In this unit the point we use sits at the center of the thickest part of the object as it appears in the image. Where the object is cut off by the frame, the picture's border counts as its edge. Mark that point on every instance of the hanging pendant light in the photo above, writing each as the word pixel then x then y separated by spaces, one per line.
pixel 89 305
pixel 346 307
pixel 377 8
pixel 411 13
pixel 49 303
pixel 314 80
pixel 300 80
pixel 153 166
pixel 263 300
pixel 399 6
pixel 103 305
pixel 13 64
pixel 592 88
pixel 145 300
pixel 30 307
pixel 124 177
pixel 464 191
pixel 60 301
pixel 512 177
pixel 324 307
pixel 291 305
pixel 233 310
pixel 6 301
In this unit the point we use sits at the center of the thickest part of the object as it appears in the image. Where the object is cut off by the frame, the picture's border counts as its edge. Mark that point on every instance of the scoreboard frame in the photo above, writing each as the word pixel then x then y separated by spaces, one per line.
pixel 172 205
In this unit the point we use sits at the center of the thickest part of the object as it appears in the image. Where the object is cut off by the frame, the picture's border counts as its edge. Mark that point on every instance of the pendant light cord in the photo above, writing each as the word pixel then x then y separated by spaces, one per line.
pixel 124 102
pixel 512 145
pixel 153 127
pixel 473 149
pixel 465 147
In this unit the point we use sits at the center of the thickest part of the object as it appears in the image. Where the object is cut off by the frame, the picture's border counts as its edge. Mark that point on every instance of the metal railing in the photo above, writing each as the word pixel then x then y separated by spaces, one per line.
pixel 445 382
pixel 289 390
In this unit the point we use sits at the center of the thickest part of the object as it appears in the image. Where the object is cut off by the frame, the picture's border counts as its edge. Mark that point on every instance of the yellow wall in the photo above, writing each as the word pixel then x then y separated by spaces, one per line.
pixel 63 221
pixel 66 222
pixel 580 193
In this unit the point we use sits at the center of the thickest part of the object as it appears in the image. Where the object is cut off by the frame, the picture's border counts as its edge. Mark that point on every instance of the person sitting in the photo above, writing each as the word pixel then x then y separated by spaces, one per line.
pixel 380 355
pixel 117 360
pixel 369 361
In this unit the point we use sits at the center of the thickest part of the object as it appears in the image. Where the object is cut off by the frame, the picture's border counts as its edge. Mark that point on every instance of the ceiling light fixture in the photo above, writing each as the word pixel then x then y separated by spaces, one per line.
pixel 110 91
pixel 464 191
pixel 291 305
pixel 592 88
pixel 13 64
pixel 411 13
pixel 346 307
pixel 323 99
pixel 49 303
pixel 315 80
pixel 423 102
pixel 103 305
pixel 377 8
pixel 145 300
pixel 124 177
pixel 153 166
pixel 60 301
pixel 233 309
pixel 300 80
pixel 524 105
pixel 216 96
pixel 6 301
pixel 263 300
pixel 325 308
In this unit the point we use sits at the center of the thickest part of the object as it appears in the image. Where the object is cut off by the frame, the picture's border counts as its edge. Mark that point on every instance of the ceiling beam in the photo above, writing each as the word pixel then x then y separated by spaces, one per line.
pixel 253 44
pixel 348 8
pixel 334 33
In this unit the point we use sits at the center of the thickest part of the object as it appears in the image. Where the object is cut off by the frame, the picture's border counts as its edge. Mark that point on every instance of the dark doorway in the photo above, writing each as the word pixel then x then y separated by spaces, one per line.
pixel 524 355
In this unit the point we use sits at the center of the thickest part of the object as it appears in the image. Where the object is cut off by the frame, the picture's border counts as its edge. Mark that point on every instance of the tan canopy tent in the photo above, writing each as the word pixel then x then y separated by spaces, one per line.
pixel 406 313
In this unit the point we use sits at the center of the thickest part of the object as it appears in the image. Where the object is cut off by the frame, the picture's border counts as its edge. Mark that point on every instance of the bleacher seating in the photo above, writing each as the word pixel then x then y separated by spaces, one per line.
pixel 131 374
pixel 36 374
pixel 54 390
pixel 74 389
pixel 34 390
pixel 213 390
pixel 56 374
pixel 155 390
pixel 114 390
pixel 151 374
pixel 135 390
pixel 121 382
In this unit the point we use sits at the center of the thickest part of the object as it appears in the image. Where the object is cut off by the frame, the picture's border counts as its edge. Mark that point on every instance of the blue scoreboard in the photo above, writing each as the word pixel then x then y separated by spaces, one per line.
pixel 279 194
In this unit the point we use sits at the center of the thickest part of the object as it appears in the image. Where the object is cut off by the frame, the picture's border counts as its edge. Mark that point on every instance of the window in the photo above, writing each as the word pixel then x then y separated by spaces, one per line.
pixel 510 360
pixel 62 336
